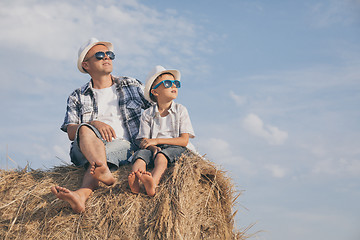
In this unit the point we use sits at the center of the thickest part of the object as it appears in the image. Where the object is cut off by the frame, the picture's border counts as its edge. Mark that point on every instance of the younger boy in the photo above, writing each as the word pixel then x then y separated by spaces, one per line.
pixel 164 131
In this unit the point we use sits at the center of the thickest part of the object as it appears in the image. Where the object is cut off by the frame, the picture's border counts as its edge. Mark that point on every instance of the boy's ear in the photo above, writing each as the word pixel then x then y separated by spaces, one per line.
pixel 154 92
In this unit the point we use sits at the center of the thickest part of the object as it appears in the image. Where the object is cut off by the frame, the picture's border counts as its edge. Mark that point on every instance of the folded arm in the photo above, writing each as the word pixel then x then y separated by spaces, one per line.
pixel 183 141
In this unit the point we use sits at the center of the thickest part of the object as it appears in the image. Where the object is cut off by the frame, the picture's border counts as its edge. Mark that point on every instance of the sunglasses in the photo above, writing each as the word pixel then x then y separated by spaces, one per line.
pixel 101 55
pixel 168 83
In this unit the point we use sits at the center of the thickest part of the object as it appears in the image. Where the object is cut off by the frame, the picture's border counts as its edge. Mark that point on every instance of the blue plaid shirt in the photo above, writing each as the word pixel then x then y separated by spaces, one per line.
pixel 82 106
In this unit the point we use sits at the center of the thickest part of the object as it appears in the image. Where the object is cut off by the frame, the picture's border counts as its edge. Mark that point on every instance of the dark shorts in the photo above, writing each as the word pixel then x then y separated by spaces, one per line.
pixel 117 152
pixel 171 152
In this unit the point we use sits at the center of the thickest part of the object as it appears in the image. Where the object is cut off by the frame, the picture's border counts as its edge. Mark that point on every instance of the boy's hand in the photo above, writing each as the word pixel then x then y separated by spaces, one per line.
pixel 146 142
pixel 154 149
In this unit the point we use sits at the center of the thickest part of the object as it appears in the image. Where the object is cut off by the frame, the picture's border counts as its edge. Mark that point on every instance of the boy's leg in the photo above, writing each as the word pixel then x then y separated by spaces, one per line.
pixel 151 180
pixel 160 165
pixel 141 158
pixel 138 167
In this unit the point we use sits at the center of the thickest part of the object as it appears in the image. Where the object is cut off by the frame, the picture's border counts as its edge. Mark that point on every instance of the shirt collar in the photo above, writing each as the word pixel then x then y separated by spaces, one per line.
pixel 172 109
pixel 86 87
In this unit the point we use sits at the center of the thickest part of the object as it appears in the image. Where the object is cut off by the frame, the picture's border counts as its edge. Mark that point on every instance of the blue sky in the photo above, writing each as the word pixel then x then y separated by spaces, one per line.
pixel 272 88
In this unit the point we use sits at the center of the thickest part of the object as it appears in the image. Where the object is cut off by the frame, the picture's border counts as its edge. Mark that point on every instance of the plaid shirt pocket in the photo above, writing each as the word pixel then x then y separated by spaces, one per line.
pixel 86 113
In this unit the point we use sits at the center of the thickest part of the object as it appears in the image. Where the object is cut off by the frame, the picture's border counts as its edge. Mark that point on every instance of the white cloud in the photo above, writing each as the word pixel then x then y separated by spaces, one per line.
pixel 46 29
pixel 56 29
pixel 222 152
pixel 239 100
pixel 215 148
pixel 276 170
pixel 271 134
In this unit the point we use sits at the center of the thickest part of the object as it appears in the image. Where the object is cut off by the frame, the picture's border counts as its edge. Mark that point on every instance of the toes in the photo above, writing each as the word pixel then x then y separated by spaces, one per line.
pixel 138 174
pixel 148 173
pixel 54 190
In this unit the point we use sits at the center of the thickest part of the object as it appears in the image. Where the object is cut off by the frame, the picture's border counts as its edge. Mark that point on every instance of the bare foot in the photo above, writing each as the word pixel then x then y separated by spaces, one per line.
pixel 149 184
pixel 102 173
pixel 134 182
pixel 76 202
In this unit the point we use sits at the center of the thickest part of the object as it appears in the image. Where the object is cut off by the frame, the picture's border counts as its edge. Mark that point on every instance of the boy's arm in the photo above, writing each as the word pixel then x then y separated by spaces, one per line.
pixel 153 148
pixel 183 141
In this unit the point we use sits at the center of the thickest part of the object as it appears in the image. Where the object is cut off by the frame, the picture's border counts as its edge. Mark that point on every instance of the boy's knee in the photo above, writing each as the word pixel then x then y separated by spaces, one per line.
pixel 139 161
pixel 160 157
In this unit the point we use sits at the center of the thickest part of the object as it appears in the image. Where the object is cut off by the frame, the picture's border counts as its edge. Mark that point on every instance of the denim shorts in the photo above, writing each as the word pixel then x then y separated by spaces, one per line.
pixel 117 152
pixel 171 152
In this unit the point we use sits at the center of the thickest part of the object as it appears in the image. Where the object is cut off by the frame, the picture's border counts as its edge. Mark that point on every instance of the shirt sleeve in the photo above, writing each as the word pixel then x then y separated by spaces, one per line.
pixel 145 126
pixel 185 123
pixel 72 112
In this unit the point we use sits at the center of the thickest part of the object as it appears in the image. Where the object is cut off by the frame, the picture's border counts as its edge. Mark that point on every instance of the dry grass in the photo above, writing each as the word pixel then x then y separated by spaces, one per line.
pixel 195 200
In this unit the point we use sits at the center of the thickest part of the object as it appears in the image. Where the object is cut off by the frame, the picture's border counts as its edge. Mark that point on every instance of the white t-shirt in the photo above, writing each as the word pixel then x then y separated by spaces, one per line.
pixel 109 110
pixel 165 130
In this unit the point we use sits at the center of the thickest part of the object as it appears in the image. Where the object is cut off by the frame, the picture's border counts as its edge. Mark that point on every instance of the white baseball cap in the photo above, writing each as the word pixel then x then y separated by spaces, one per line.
pixel 155 72
pixel 86 47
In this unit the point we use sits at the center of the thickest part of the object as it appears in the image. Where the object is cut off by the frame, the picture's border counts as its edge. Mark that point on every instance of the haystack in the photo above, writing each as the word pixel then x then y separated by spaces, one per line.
pixel 195 200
